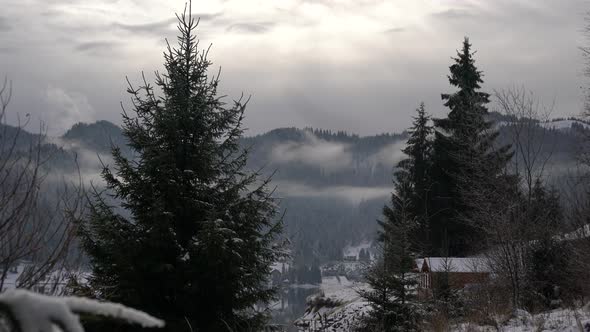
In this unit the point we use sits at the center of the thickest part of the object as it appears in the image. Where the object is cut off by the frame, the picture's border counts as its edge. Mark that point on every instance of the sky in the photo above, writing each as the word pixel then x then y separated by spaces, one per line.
pixel 356 65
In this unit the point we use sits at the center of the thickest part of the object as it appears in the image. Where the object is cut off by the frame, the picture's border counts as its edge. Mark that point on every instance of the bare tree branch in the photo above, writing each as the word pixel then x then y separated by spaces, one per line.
pixel 32 227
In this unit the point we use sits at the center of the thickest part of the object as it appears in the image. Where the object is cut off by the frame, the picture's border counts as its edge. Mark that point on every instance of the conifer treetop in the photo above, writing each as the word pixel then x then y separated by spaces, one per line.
pixel 468 104
pixel 464 74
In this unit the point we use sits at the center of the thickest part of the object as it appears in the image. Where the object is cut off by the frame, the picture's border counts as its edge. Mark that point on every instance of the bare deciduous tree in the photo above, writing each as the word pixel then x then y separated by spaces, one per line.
pixel 501 206
pixel 528 139
pixel 32 228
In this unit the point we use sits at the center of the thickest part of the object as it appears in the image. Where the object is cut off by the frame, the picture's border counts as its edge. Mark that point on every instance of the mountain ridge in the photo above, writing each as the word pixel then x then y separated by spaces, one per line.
pixel 332 184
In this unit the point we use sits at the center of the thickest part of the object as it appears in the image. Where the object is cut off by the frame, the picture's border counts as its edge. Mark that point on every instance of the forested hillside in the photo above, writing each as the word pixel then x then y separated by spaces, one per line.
pixel 332 184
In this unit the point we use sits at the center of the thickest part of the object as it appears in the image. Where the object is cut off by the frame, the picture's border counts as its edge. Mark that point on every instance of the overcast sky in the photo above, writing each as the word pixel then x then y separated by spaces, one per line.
pixel 357 65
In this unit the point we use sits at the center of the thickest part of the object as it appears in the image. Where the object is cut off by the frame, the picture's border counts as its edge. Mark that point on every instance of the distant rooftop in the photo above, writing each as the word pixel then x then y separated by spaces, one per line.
pixel 454 264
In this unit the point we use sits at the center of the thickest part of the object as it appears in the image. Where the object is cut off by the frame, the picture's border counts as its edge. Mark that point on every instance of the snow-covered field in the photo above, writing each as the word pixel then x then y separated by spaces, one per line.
pixel 566 320
pixel 564 124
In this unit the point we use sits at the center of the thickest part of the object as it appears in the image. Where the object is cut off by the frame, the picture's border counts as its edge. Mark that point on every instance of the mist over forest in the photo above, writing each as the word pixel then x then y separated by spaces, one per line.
pixel 331 185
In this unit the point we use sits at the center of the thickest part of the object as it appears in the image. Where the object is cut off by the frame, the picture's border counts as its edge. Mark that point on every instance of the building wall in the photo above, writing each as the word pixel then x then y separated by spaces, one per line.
pixel 457 280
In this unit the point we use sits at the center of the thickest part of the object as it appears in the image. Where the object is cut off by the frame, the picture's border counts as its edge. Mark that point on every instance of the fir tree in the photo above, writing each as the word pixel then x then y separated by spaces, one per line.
pixel 190 241
pixel 419 150
pixel 392 298
pixel 417 168
pixel 464 151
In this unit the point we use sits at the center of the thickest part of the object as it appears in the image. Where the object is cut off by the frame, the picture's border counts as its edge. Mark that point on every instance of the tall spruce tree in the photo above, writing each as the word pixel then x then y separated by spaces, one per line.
pixel 193 234
pixel 417 168
pixel 419 150
pixel 392 297
pixel 464 151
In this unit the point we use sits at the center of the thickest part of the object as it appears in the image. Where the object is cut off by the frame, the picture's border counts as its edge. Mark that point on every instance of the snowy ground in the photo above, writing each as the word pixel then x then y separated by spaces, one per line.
pixel 563 124
pixel 566 320
pixel 345 316
pixel 53 283
pixel 348 306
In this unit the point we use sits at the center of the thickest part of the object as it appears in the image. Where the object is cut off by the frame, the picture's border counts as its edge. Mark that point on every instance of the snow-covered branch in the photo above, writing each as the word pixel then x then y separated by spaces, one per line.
pixel 31 312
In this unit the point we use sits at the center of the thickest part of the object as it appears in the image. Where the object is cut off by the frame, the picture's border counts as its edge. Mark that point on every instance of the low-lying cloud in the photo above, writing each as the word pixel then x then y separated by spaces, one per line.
pixel 313 151
pixel 390 155
pixel 85 165
pixel 333 156
pixel 350 194
pixel 67 108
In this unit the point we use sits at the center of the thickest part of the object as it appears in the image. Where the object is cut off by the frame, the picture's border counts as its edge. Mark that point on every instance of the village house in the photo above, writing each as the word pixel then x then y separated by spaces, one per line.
pixel 278 273
pixel 350 258
pixel 461 272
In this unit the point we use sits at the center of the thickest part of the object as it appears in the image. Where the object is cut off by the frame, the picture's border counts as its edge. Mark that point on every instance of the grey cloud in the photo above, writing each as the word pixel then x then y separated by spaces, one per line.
pixel 207 17
pixel 96 47
pixel 57 19
pixel 151 28
pixel 329 3
pixel 258 27
pixel 158 27
pixel 4 26
pixel 395 30
pixel 374 89
pixel 51 13
pixel 454 14
pixel 74 1
pixel 69 107
pixel 7 50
